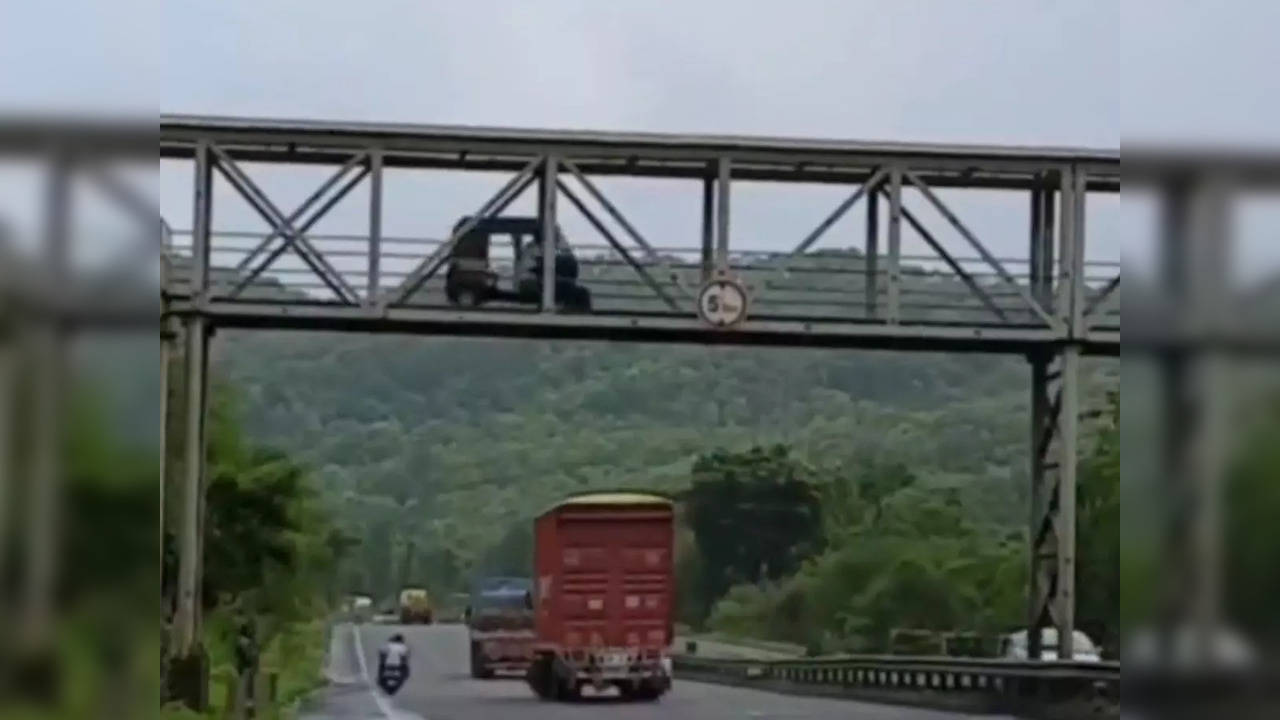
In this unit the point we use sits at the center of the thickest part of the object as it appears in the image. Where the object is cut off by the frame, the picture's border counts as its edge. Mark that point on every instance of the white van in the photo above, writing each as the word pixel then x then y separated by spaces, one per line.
pixel 1014 646
pixel 361 608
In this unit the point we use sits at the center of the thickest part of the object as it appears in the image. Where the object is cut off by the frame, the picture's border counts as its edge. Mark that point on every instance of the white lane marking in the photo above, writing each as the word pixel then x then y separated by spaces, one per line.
pixel 383 703
pixel 364 664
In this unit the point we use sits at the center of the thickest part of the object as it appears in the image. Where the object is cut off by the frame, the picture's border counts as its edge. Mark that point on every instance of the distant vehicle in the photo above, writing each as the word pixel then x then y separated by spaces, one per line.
pixel 603 596
pixel 1220 648
pixel 471 279
pixel 415 607
pixel 1014 646
pixel 500 622
pixel 361 608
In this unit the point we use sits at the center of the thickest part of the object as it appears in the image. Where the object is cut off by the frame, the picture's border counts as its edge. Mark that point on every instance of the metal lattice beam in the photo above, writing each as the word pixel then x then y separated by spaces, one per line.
pixel 248 260
pixel 839 212
pixel 616 245
pixel 1101 296
pixel 977 245
pixel 868 189
pixel 626 225
pixel 951 262
pixel 669 155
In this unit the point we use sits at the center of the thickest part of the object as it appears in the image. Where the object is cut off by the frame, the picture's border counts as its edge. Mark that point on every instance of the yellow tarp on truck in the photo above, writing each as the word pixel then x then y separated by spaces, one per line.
pixel 415 607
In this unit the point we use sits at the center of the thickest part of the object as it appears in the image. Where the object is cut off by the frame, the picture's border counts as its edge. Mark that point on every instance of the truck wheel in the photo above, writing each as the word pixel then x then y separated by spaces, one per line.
pixel 582 299
pixel 540 678
pixel 478 669
pixel 475 661
pixel 565 685
pixel 570 691
pixel 573 298
pixel 649 691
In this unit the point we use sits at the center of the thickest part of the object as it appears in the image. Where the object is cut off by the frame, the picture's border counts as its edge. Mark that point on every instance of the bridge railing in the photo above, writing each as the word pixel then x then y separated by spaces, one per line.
pixel 986 684
pixel 820 286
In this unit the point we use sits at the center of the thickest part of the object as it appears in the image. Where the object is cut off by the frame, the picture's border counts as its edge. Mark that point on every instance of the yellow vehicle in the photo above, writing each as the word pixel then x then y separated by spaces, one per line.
pixel 415 607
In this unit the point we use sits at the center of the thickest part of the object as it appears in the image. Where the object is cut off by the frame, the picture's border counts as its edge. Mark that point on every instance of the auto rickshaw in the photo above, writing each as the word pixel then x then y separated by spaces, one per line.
pixel 471 280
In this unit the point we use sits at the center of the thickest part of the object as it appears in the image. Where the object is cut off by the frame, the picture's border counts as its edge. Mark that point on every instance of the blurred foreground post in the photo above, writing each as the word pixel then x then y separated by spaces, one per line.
pixel 41 357
pixel 8 450
pixel 1195 284
pixel 47 349
pixel 44 486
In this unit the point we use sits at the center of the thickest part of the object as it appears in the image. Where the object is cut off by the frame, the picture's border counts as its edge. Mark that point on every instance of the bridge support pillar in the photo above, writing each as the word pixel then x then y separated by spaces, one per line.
pixel 894 299
pixel 1055 411
pixel 724 179
pixel 549 229
pixel 708 225
pixel 188 671
pixel 871 256
pixel 1055 443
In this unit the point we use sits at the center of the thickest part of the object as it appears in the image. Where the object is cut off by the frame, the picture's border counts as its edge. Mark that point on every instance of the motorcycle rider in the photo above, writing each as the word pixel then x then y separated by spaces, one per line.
pixel 393 665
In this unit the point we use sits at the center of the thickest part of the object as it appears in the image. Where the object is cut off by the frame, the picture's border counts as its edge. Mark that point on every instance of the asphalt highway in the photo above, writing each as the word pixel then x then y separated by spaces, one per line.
pixel 441 689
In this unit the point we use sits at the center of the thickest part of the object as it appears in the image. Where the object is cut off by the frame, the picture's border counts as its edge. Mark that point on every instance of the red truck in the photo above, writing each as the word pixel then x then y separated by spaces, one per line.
pixel 604 596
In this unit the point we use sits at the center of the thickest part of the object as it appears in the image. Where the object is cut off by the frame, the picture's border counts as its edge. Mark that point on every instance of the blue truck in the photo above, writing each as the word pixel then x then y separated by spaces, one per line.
pixel 500 623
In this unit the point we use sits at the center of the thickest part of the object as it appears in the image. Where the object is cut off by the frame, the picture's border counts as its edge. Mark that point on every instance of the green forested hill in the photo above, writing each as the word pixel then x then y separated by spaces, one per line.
pixel 435 451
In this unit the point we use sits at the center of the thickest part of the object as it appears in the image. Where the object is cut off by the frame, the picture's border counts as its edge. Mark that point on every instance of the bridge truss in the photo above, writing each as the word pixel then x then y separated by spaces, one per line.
pixel 1052 306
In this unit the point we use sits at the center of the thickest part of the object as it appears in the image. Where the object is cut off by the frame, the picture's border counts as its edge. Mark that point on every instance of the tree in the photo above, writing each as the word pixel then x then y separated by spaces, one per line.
pixel 484 433
pixel 755 516
pixel 1098 534
pixel 878 481
pixel 513 555
pixel 269 544
pixel 1252 535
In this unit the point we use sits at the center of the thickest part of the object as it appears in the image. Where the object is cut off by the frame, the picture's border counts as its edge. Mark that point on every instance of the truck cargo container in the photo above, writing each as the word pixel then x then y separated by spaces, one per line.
pixel 604 596
pixel 499 619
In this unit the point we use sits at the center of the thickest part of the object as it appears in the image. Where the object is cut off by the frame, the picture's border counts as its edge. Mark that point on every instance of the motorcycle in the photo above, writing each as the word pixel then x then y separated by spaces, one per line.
pixel 392 677
pixel 393 665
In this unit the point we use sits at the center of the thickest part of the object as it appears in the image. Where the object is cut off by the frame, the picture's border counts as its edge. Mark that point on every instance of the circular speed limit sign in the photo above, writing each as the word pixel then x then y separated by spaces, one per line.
pixel 722 302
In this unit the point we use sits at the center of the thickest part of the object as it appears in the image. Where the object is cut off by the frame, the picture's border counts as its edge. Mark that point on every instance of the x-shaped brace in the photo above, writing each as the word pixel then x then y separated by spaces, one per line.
pixel 294 236
pixel 982 250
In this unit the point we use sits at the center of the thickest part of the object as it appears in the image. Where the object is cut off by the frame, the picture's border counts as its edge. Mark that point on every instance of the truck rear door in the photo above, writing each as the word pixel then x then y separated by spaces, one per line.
pixel 617 584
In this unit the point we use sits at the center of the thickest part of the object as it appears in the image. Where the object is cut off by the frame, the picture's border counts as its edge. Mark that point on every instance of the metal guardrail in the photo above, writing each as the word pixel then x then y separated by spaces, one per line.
pixel 990 684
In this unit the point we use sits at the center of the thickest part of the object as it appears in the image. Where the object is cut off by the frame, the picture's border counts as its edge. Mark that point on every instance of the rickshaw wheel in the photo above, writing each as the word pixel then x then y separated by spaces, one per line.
pixel 465 297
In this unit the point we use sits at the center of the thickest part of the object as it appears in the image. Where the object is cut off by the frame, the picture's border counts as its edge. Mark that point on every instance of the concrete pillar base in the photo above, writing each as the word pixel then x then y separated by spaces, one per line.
pixel 187 681
pixel 36 677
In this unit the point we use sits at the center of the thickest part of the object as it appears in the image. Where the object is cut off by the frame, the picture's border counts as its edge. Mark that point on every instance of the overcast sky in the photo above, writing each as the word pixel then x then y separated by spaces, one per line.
pixel 1009 71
